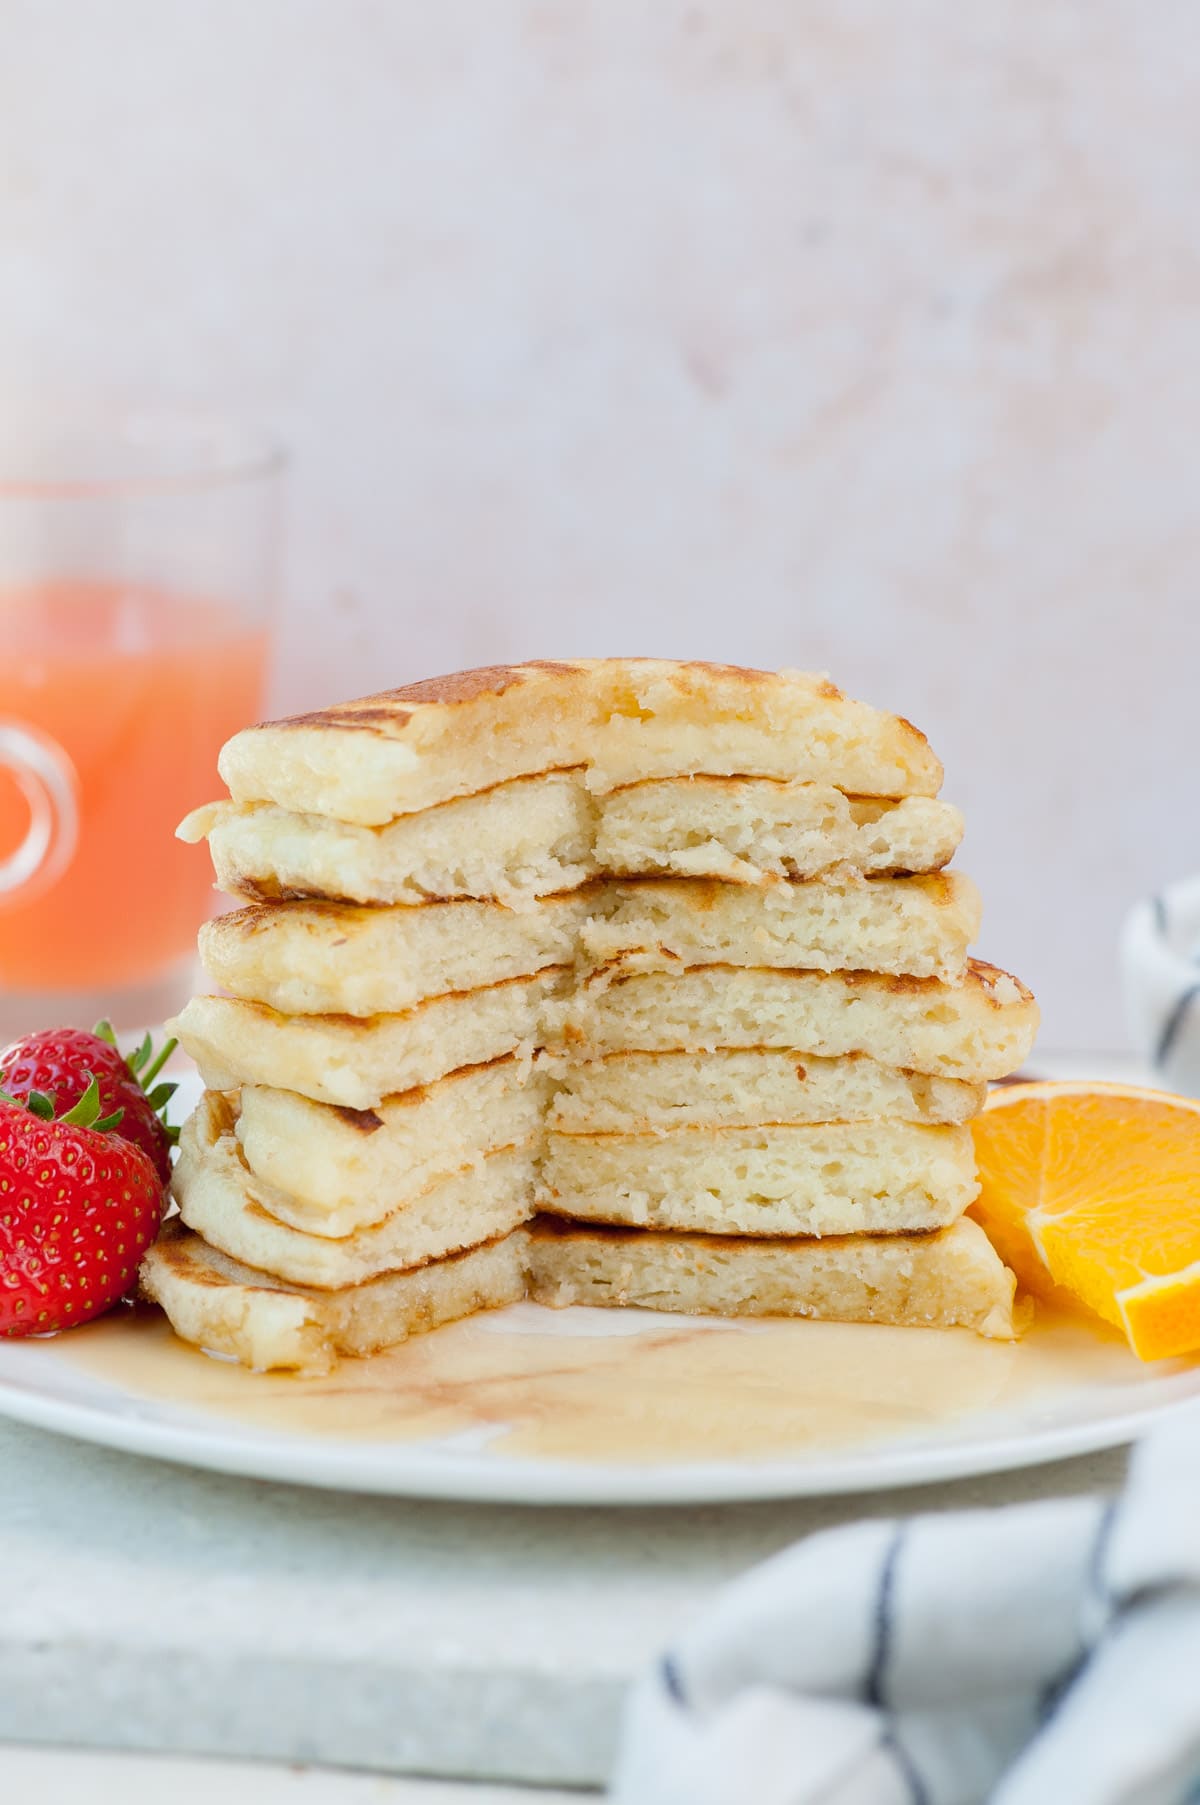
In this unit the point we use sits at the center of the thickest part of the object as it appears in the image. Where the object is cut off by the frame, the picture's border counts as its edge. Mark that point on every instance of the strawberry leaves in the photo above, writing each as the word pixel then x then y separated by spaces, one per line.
pixel 83 1113
pixel 60 1064
pixel 144 1065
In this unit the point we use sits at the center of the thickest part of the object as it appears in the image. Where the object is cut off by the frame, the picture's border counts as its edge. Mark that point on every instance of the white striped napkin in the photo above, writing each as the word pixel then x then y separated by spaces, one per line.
pixel 1044 1654
pixel 1160 976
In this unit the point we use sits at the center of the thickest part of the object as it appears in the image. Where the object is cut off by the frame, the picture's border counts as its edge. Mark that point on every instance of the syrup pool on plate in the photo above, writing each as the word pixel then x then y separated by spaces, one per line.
pixel 596 1386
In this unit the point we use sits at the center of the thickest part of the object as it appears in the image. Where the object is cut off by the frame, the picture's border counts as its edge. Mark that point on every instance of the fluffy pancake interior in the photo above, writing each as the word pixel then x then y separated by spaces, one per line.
pixel 341 1169
pixel 332 1172
pixel 548 832
pixel 355 1061
pixel 949 1279
pixel 980 1028
pixel 339 958
pixel 750 830
pixel 919 926
pixel 811 1179
pixel 221 1304
pixel 248 1219
pixel 517 841
pixel 316 958
pixel 643 1092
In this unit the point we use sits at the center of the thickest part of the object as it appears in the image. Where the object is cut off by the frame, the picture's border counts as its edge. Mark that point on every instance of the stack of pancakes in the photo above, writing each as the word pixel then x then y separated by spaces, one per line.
pixel 615 982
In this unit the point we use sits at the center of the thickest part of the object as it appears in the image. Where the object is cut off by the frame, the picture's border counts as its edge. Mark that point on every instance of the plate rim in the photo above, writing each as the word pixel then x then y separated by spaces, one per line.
pixel 420 1471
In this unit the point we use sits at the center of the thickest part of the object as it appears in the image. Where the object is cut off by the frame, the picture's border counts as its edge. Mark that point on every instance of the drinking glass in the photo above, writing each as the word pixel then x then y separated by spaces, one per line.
pixel 138 571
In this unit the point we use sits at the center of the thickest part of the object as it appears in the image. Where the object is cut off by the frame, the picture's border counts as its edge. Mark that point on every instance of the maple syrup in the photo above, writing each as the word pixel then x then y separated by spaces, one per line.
pixel 584 1385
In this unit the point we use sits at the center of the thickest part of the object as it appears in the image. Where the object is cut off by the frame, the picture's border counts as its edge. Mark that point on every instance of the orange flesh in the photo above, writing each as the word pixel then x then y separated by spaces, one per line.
pixel 1092 1195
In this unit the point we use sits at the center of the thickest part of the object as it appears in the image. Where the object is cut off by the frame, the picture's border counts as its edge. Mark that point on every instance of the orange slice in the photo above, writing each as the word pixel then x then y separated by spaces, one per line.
pixel 1091 1193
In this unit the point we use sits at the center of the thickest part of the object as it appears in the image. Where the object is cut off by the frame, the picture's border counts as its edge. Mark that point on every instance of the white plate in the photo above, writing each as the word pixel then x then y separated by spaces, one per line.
pixel 46 1384
pixel 539 1406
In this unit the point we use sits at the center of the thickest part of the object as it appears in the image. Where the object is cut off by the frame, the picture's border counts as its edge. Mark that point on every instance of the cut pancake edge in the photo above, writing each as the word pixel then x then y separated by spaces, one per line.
pixel 332 958
pixel 813 1178
pixel 979 1029
pixel 979 980
pixel 547 832
pixel 215 1172
pixel 322 1020
pixel 952 1278
pixel 678 1083
pixel 226 1307
pixel 219 1200
pixel 197 823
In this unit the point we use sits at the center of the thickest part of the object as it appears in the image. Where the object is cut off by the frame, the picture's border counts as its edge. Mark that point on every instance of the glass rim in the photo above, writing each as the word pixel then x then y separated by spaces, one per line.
pixel 195 453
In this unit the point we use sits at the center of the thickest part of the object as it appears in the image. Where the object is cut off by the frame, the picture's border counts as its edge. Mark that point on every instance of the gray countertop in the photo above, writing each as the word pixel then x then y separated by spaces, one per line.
pixel 172 1610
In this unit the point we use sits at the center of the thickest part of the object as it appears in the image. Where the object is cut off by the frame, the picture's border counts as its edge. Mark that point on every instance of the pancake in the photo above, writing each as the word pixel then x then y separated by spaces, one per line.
pixel 667 948
pixel 339 1169
pixel 238 1213
pixel 537 835
pixel 749 830
pixel 951 1279
pixel 357 1062
pixel 945 1280
pixel 633 1093
pixel 519 840
pixel 233 1309
pixel 622 720
pixel 316 958
pixel 332 1172
pixel 915 926
pixel 980 1028
pixel 816 1179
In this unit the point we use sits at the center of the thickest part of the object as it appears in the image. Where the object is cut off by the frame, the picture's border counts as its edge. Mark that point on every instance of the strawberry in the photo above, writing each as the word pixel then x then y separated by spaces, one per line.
pixel 61 1062
pixel 79 1206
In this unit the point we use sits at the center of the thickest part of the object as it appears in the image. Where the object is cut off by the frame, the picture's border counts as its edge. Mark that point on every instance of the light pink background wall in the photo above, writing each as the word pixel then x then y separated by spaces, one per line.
pixel 854 336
